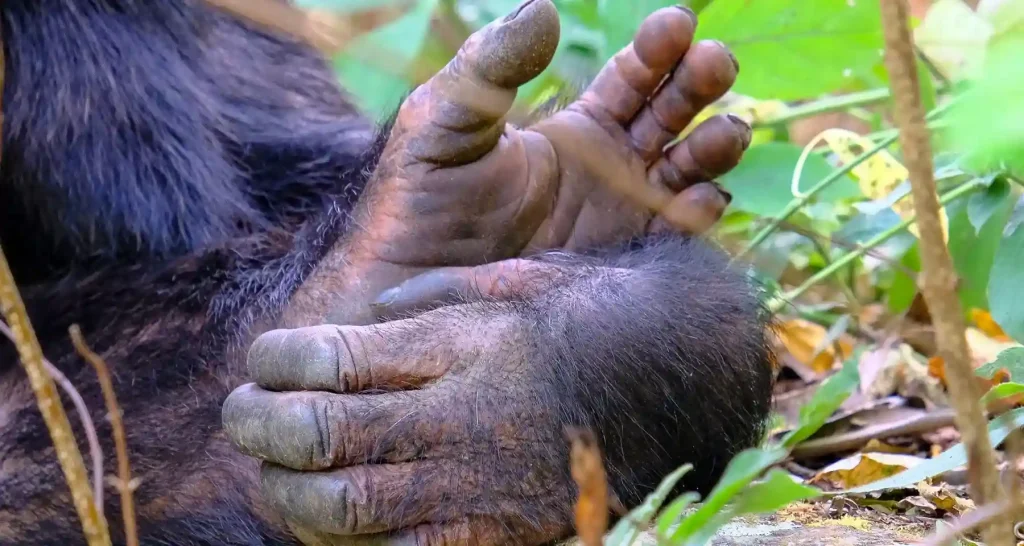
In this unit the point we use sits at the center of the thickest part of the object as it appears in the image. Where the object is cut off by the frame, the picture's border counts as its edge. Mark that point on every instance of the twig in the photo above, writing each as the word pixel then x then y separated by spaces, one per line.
pixel 95 451
pixel 845 259
pixel 830 104
pixel 978 517
pixel 125 486
pixel 858 438
pixel 832 178
pixel 938 278
pixel 31 354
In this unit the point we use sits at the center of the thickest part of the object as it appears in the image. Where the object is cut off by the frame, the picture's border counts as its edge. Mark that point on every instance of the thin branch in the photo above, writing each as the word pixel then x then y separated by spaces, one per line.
pixel 93 439
pixel 125 485
pixel 68 455
pixel 938 278
pixel 845 259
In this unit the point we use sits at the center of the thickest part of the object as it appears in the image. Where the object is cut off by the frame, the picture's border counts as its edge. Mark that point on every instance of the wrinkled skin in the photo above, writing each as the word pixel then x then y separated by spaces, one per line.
pixel 457 186
pixel 443 424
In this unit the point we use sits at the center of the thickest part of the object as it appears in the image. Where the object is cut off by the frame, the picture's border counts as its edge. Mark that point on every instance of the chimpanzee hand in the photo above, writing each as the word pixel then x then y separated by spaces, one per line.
pixel 457 186
pixel 447 428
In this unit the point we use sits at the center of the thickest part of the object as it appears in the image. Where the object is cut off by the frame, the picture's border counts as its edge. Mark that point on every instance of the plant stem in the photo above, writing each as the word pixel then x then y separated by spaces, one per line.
pixel 938 278
pixel 68 455
pixel 832 178
pixel 828 104
pixel 125 485
pixel 845 260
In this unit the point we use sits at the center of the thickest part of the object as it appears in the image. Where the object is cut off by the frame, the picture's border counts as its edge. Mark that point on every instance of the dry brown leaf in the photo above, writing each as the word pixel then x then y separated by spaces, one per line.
pixel 589 474
pixel 808 343
pixel 864 468
pixel 945 498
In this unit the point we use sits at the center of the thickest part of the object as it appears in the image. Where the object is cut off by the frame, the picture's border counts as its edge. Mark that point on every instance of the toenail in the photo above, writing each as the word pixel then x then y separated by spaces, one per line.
pixel 689 12
pixel 518 10
pixel 746 133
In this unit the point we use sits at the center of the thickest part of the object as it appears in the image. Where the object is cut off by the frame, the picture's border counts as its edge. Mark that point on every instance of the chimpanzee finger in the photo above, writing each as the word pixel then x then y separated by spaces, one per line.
pixel 623 85
pixel 463 105
pixel 693 211
pixel 450 285
pixel 711 150
pixel 317 431
pixel 706 73
pixel 408 503
pixel 347 359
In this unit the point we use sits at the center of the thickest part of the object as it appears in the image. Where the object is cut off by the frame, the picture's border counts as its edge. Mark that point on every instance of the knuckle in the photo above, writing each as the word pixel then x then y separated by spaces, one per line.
pixel 264 353
pixel 351 362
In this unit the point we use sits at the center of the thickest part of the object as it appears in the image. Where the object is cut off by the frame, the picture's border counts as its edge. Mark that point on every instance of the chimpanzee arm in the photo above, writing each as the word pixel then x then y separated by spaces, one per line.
pixel 660 349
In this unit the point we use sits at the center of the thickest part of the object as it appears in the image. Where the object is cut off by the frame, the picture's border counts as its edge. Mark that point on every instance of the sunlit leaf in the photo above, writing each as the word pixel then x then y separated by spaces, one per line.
pixel 791 49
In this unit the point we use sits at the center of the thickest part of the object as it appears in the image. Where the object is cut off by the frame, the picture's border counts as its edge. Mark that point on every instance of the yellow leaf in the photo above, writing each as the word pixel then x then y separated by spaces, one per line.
pixel 808 343
pixel 879 175
pixel 864 468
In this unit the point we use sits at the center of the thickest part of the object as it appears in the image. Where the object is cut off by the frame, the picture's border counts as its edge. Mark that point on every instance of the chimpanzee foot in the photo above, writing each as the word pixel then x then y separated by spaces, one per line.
pixel 457 186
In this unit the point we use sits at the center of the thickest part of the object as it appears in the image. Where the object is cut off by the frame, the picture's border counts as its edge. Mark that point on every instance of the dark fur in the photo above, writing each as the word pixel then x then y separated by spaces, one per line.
pixel 170 176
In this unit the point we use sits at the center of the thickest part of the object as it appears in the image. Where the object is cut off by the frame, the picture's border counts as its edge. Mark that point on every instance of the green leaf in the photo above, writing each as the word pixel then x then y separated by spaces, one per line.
pixel 793 49
pixel 743 469
pixel 904 287
pixel 620 19
pixel 998 429
pixel 974 254
pixel 629 528
pixel 1002 390
pixel 1004 289
pixel 760 184
pixel 777 490
pixel 1011 360
pixel 988 123
pixel 982 205
pixel 378 90
pixel 826 400
pixel 863 227
pixel 671 515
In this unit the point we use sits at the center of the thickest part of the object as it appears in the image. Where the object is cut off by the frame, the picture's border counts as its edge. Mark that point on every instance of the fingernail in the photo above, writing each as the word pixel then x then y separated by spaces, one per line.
pixel 689 12
pixel 746 132
pixel 518 10
pixel 735 62
pixel 386 297
pixel 725 194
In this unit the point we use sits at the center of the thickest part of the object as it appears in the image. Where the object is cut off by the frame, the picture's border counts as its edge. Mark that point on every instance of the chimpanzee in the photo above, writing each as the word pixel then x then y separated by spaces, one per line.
pixel 424 308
